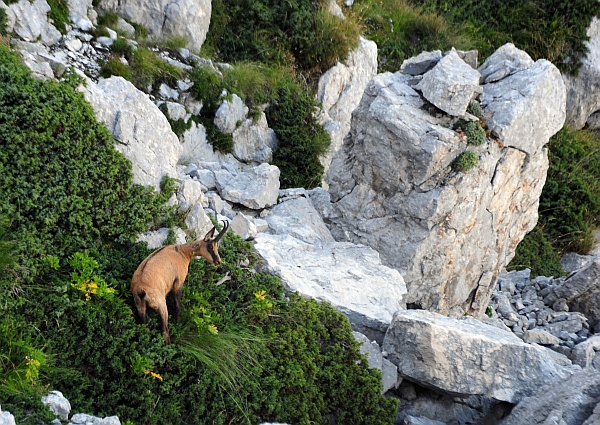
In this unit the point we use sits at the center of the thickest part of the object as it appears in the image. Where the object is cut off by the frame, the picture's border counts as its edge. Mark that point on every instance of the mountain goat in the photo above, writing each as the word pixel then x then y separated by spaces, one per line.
pixel 165 270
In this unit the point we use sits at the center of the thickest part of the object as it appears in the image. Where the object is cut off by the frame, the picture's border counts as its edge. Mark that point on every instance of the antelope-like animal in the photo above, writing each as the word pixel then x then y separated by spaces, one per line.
pixel 165 270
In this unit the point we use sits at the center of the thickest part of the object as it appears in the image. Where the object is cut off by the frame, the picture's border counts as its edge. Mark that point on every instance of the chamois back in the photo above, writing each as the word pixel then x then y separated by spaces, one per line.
pixel 165 270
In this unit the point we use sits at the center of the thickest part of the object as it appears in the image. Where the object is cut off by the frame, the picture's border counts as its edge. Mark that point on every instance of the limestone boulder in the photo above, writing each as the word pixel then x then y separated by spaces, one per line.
pixel 581 290
pixel 29 20
pixel 451 84
pixel 575 401
pixel 449 233
pixel 298 218
pixel 466 357
pixel 156 239
pixel 58 404
pixel 349 277
pixel 142 131
pixel 166 18
pixel 254 187
pixel 254 141
pixel 340 90
pixel 6 418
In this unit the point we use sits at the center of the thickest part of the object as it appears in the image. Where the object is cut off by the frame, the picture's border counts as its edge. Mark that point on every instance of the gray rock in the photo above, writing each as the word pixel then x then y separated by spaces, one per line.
pixel 572 261
pixel 350 277
pixel 412 420
pixel 372 350
pixel 430 348
pixel 143 132
pixel 340 90
pixel 570 402
pixel 58 404
pixel 254 141
pixel 538 336
pixel 189 193
pixel 254 187
pixel 449 234
pixel 165 18
pixel 197 222
pixel 28 19
pixel 450 85
pixel 583 354
pixel 244 227
pixel 527 91
pixel 582 292
pixel 421 63
pixel 6 418
pixel 298 218
pixel 167 92
pixel 230 113
pixel 196 149
pixel 503 62
pixel 156 239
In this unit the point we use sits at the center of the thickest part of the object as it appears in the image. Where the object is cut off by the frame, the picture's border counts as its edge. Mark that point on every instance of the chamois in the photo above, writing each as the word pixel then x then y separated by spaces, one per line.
pixel 165 270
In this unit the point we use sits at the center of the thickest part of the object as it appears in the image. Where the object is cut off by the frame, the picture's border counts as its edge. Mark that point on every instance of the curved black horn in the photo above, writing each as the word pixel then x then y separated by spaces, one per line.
pixel 223 230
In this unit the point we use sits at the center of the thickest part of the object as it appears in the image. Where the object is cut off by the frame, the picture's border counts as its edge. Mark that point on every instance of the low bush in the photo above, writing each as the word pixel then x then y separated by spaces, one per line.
pixel 296 33
pixel 465 161
pixel 301 139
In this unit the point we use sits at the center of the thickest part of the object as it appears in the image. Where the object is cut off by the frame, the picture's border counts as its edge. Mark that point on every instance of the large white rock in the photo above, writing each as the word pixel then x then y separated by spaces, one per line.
pixel 340 90
pixel 574 401
pixel 516 106
pixel 58 404
pixel 6 418
pixel 466 357
pixel 230 113
pixel 450 84
pixel 167 18
pixel 254 187
pixel 298 218
pixel 254 141
pixel 28 19
pixel 448 233
pixel 143 133
pixel 349 277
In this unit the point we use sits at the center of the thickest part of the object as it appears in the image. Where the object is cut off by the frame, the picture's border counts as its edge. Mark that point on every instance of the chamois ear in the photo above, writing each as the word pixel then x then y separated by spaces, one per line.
pixel 209 235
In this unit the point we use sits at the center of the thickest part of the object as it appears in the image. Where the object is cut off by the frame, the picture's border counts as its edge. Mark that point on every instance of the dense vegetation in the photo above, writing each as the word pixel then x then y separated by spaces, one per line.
pixel 569 209
pixel 66 322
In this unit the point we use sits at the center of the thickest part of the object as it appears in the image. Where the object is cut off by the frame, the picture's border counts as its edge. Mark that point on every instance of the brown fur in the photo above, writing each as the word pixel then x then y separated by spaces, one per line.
pixel 165 270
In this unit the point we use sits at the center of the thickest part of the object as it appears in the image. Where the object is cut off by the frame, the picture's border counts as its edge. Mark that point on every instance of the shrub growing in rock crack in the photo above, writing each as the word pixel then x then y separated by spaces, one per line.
pixel 465 161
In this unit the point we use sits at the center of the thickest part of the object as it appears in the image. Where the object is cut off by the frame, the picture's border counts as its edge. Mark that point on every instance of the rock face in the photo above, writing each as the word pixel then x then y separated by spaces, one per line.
pixel 466 357
pixel 340 90
pixel 143 133
pixel 449 233
pixel 349 277
pixel 582 292
pixel 166 18
pixel 583 90
pixel 28 19
pixel 577 402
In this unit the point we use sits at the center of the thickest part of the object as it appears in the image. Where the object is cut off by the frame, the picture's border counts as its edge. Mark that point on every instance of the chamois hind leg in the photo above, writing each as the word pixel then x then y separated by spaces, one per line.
pixel 140 305
pixel 177 293
pixel 164 318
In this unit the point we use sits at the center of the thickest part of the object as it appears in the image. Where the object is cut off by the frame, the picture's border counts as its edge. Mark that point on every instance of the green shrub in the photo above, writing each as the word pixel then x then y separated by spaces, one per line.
pixel 59 13
pixel 570 202
pixel 295 32
pixel 65 187
pixel 3 22
pixel 178 126
pixel 535 252
pixel 550 29
pixel 108 19
pixel 473 130
pixel 208 86
pixel 114 66
pixel 301 139
pixel 402 30
pixel 475 108
pixel 465 161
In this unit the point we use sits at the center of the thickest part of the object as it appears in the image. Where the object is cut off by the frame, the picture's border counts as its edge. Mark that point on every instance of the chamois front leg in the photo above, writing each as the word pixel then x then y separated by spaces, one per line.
pixel 140 305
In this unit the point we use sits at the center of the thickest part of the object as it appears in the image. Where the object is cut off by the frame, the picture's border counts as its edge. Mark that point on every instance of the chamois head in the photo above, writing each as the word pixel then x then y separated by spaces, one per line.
pixel 209 246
